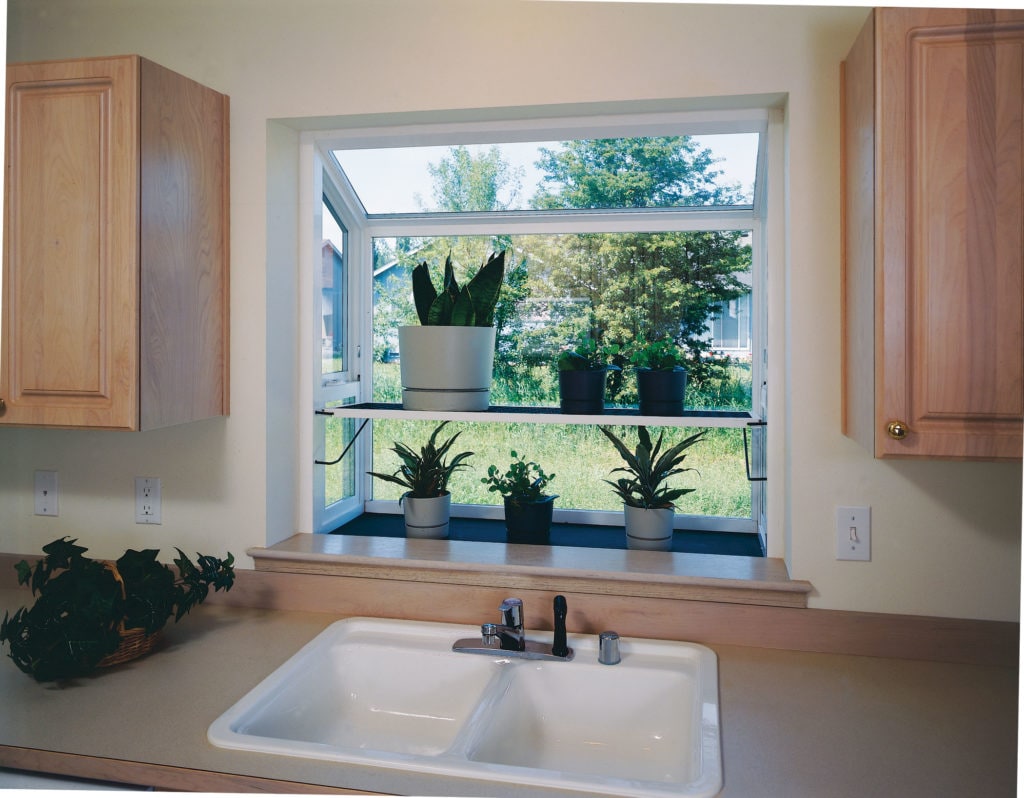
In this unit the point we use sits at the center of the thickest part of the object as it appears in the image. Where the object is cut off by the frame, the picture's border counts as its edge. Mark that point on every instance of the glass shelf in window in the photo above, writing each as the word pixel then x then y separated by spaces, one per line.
pixel 551 415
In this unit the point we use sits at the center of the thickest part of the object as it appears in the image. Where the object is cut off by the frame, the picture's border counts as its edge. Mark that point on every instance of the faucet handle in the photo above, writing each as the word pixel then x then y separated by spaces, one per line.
pixel 608 649
pixel 511 610
pixel 559 646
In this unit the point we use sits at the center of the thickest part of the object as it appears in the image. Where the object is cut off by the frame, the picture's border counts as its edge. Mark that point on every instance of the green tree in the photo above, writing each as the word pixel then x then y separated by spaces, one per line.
pixel 646 286
pixel 463 182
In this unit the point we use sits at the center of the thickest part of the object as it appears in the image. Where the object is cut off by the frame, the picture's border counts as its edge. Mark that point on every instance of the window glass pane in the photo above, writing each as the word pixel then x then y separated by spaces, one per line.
pixel 581 459
pixel 579 174
pixel 332 303
pixel 621 288
pixel 339 479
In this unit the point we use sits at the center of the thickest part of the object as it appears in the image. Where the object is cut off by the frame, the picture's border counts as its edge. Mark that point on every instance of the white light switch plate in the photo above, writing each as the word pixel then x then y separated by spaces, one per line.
pixel 853 533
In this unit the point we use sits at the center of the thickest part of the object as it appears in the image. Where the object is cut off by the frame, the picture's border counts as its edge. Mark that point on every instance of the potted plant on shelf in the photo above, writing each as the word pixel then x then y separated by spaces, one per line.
pixel 582 373
pixel 527 508
pixel 92 614
pixel 649 502
pixel 446 362
pixel 660 378
pixel 425 475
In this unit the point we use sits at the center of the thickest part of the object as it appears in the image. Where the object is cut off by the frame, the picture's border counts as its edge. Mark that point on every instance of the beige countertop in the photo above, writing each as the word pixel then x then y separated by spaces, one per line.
pixel 793 724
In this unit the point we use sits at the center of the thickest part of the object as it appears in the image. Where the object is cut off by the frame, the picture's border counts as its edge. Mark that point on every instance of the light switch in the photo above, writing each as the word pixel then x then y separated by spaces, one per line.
pixel 853 533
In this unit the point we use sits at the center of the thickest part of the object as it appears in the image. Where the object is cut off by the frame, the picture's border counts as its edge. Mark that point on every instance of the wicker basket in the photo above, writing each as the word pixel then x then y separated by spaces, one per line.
pixel 134 641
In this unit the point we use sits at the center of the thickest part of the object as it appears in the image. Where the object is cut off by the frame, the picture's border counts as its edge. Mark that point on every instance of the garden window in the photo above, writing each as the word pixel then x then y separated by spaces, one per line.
pixel 648 234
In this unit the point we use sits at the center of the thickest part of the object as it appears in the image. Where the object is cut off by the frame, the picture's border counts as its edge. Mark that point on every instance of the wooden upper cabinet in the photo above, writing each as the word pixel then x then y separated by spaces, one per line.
pixel 115 268
pixel 933 210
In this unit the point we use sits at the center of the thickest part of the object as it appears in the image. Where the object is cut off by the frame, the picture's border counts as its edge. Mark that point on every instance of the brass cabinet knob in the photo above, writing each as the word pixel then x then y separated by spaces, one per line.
pixel 3 406
pixel 897 430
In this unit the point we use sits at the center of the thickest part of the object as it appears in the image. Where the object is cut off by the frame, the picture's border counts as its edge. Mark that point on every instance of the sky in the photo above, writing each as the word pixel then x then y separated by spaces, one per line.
pixel 388 180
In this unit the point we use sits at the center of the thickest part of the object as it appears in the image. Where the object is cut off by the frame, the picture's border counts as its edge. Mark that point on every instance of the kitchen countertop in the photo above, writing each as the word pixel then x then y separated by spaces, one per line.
pixel 793 724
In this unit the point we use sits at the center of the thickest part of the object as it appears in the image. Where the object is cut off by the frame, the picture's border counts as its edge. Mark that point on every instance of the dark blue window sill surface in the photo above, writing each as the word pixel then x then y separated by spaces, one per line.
pixel 583 535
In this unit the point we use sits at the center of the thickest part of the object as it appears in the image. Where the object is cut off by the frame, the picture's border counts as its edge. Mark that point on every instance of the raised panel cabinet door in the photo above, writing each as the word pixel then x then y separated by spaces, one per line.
pixel 70 278
pixel 933 211
pixel 957 251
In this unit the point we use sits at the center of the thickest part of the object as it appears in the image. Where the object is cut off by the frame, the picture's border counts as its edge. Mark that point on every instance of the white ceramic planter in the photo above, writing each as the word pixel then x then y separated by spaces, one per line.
pixel 446 368
pixel 649 529
pixel 427 518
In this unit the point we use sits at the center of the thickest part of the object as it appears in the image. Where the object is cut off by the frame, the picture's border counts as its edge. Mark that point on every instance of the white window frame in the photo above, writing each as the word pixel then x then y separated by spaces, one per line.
pixel 316 159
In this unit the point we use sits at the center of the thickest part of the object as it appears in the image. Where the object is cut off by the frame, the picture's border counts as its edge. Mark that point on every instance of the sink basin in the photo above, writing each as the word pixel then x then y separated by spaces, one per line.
pixel 393 694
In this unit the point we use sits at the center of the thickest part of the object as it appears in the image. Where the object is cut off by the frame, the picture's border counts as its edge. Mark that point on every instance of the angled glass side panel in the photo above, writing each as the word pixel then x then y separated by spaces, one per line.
pixel 333 293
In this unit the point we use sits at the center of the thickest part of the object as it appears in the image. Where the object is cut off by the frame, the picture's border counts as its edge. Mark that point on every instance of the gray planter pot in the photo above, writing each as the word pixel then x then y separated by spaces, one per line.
pixel 649 529
pixel 427 518
pixel 446 368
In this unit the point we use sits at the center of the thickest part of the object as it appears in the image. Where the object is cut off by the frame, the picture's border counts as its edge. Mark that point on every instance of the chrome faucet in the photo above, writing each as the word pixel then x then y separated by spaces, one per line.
pixel 509 636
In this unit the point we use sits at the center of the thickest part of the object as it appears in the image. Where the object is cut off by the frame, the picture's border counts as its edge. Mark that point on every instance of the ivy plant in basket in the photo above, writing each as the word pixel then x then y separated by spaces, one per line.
pixel 93 613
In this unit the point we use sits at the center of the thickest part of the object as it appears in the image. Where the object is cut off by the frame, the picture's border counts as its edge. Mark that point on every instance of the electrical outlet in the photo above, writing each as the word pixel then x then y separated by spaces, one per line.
pixel 147 500
pixel 47 495
pixel 853 533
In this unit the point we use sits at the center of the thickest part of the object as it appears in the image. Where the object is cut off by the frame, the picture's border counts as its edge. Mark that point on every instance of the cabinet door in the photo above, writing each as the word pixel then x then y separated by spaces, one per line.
pixel 950 232
pixel 70 283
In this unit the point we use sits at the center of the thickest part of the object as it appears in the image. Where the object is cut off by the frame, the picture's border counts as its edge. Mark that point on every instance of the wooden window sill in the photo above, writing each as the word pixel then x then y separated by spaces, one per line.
pixel 647 574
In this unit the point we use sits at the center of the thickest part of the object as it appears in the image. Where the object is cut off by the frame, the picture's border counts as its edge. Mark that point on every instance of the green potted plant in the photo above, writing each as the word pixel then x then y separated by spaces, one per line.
pixel 660 377
pixel 582 373
pixel 648 499
pixel 446 362
pixel 527 507
pixel 425 475
pixel 91 614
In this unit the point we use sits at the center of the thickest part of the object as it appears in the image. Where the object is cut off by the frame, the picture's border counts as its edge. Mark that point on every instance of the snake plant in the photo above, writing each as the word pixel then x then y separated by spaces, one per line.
pixel 470 305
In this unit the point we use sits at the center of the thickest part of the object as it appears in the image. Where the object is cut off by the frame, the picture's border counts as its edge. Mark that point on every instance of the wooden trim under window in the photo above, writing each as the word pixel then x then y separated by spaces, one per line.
pixel 642 574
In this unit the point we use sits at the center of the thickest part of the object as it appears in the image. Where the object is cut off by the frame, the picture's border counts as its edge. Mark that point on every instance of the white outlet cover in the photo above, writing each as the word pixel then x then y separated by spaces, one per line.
pixel 46 493
pixel 147 500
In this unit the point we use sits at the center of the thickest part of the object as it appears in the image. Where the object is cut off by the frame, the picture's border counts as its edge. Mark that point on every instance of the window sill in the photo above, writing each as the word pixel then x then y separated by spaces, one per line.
pixel 575 535
pixel 648 574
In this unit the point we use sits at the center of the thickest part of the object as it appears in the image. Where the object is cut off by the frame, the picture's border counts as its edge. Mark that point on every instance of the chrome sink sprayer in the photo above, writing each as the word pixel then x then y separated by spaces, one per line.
pixel 509 636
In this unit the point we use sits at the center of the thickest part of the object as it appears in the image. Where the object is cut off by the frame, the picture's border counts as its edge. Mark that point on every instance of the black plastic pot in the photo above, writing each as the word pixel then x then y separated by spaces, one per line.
pixel 662 393
pixel 581 392
pixel 529 522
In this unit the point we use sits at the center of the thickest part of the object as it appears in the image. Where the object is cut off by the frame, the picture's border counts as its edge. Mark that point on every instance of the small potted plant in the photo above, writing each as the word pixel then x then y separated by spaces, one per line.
pixel 425 475
pixel 527 508
pixel 649 502
pixel 92 614
pixel 582 372
pixel 660 377
pixel 447 361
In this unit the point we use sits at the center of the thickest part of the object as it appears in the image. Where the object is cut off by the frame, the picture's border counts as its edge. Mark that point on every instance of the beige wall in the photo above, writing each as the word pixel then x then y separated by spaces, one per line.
pixel 946 535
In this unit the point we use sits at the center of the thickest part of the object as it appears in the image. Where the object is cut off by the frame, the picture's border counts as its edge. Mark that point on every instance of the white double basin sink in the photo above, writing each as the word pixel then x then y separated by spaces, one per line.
pixel 393 694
